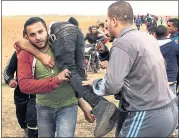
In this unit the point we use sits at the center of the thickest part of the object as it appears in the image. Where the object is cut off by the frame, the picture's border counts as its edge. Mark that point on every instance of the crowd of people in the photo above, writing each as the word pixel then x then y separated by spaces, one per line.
pixel 149 21
pixel 141 72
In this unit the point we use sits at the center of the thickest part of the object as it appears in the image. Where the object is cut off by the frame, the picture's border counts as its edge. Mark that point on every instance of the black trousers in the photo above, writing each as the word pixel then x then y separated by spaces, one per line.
pixel 26 111
pixel 21 100
pixel 138 27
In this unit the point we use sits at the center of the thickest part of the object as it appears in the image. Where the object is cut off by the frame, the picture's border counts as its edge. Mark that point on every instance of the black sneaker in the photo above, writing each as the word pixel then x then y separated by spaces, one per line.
pixel 103 112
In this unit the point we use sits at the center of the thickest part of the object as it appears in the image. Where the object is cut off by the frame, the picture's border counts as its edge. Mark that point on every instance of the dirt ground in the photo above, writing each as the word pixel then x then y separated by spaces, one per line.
pixel 11 31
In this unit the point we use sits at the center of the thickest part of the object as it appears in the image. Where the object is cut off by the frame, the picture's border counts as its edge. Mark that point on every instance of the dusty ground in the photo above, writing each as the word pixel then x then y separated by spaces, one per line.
pixel 11 31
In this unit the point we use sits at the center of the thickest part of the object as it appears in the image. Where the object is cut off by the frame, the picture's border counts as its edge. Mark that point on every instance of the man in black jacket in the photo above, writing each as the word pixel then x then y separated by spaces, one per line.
pixel 93 35
pixel 25 104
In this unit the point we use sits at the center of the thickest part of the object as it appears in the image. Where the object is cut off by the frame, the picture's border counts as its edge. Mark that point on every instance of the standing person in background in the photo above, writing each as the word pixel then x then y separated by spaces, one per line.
pixel 166 19
pixel 148 21
pixel 93 35
pixel 154 23
pixel 103 31
pixel 138 22
pixel 161 20
pixel 142 18
pixel 170 51
pixel 172 27
pixel 134 19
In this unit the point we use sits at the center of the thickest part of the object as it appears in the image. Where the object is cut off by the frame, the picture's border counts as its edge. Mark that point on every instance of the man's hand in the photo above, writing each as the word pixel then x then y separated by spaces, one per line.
pixel 13 83
pixel 104 64
pixel 18 49
pixel 64 75
pixel 88 82
pixel 47 60
pixel 89 116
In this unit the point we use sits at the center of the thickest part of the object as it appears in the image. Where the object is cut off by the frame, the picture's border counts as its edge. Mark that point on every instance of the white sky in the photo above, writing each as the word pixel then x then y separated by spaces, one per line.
pixel 84 7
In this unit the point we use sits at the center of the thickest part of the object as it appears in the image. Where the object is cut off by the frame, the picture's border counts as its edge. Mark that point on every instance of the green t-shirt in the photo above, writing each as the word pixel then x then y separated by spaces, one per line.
pixel 63 96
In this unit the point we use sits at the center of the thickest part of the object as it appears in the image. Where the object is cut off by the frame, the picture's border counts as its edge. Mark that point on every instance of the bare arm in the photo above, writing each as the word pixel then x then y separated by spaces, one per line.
pixel 27 46
pixel 88 115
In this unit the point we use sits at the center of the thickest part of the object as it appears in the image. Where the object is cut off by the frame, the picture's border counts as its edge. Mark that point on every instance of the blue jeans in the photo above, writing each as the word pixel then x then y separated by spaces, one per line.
pixel 63 120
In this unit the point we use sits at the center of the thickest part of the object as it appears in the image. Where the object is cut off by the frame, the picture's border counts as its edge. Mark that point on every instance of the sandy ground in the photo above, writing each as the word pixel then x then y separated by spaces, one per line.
pixel 11 31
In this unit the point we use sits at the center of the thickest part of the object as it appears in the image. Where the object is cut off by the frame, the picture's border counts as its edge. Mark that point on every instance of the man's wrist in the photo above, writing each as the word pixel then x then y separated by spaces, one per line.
pixel 40 55
pixel 85 110
pixel 8 81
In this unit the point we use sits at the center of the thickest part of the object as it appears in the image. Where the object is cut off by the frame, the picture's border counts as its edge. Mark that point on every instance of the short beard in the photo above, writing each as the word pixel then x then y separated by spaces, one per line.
pixel 111 38
pixel 39 47
pixel 111 35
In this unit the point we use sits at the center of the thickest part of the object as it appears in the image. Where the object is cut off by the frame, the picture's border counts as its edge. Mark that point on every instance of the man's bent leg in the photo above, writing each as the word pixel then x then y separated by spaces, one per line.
pixel 45 121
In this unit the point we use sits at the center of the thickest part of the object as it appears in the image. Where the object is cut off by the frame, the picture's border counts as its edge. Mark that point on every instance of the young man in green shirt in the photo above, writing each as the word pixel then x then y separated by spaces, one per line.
pixel 49 80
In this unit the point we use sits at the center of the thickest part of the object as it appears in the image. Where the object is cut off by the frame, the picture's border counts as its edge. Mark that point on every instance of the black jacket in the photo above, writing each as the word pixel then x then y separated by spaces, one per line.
pixel 10 69
pixel 92 38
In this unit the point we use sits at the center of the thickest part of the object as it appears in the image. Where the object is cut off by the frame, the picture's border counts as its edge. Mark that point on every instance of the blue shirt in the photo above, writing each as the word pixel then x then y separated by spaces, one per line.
pixel 138 21
pixel 174 37
pixel 169 50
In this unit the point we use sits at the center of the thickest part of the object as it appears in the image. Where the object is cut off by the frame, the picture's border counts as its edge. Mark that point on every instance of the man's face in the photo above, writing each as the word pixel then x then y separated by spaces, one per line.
pixel 93 30
pixel 100 27
pixel 37 35
pixel 171 28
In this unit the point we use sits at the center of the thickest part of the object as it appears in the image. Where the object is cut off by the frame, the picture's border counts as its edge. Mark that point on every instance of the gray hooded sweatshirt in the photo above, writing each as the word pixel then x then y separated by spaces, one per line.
pixel 136 70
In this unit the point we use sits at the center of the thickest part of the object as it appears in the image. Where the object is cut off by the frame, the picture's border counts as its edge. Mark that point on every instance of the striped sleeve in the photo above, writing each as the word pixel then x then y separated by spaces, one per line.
pixel 10 68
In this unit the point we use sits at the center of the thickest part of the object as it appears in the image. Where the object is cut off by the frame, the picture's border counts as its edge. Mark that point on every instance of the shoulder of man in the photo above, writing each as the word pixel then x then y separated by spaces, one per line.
pixel 175 44
pixel 25 55
pixel 126 43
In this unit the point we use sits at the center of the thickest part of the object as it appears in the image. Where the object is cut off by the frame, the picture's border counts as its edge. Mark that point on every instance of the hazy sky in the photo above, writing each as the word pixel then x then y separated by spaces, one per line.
pixel 84 7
